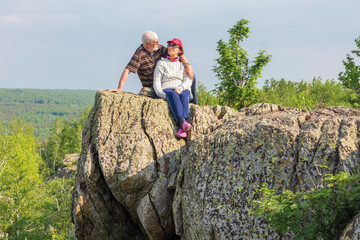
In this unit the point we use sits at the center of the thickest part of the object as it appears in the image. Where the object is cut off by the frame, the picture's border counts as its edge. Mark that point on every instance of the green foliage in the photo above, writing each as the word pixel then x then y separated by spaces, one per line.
pixel 56 207
pixel 20 126
pixel 351 77
pixel 40 107
pixel 19 184
pixel 205 97
pixel 320 213
pixel 65 138
pixel 30 207
pixel 238 78
pixel 308 95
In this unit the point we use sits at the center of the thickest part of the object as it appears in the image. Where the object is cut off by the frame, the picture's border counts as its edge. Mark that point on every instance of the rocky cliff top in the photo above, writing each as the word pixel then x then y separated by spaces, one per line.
pixel 136 180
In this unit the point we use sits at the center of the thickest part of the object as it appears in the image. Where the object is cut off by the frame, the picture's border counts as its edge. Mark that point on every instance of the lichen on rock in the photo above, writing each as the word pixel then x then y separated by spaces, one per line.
pixel 136 180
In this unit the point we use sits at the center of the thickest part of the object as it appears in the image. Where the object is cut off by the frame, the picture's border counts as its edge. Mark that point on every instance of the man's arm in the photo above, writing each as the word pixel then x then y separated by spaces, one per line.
pixel 188 69
pixel 122 80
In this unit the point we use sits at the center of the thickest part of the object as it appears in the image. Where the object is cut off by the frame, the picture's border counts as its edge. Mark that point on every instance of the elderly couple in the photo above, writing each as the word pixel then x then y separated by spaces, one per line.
pixel 170 77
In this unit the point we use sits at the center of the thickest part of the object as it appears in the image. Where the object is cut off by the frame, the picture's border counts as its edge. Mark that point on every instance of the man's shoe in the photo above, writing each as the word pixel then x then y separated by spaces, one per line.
pixel 186 126
pixel 181 134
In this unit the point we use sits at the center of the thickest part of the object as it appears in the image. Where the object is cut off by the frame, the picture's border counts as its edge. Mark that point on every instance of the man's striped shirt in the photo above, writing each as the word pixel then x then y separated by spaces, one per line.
pixel 143 63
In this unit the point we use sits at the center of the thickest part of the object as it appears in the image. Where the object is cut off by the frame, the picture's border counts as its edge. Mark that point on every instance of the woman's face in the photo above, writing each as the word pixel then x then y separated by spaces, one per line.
pixel 173 50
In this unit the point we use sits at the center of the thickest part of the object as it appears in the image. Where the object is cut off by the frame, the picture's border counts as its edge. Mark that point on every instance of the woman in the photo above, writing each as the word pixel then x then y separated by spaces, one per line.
pixel 171 83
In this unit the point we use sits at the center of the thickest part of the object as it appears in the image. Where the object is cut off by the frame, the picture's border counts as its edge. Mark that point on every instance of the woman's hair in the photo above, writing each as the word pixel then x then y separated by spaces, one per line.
pixel 181 51
pixel 148 36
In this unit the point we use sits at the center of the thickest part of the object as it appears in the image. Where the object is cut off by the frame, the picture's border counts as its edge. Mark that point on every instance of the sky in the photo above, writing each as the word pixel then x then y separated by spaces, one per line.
pixel 86 44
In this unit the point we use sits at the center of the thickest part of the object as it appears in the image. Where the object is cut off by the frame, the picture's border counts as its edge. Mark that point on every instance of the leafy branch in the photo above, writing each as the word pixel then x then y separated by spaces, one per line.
pixel 323 212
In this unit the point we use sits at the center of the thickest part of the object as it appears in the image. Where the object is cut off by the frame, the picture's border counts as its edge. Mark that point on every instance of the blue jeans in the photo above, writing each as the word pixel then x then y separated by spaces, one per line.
pixel 179 103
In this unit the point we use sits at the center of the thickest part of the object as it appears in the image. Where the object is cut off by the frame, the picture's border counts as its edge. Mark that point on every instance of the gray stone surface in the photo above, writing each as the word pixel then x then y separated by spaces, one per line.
pixel 352 230
pixel 136 180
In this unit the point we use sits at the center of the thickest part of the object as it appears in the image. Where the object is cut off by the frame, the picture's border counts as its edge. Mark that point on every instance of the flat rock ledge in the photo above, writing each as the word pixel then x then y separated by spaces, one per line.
pixel 136 180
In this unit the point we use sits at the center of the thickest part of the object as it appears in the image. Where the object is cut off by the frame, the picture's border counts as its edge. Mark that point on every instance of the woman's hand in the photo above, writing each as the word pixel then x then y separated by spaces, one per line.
pixel 177 91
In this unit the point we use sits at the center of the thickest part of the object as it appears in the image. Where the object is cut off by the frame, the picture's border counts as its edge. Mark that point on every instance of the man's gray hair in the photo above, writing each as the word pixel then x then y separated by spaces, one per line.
pixel 148 36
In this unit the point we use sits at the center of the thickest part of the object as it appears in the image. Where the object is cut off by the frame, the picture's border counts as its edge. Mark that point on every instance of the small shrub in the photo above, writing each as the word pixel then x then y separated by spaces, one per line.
pixel 319 213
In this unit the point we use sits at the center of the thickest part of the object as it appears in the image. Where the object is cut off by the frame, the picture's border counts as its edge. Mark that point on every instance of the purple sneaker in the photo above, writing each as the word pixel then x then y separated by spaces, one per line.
pixel 181 134
pixel 186 126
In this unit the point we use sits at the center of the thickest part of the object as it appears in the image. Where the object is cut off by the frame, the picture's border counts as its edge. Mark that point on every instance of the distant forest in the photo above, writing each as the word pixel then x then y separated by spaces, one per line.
pixel 40 107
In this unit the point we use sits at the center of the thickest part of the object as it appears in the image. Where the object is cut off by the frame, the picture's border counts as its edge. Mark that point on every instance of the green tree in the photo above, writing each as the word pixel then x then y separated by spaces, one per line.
pixel 330 93
pixel 30 207
pixel 280 92
pixel 238 77
pixel 65 138
pixel 19 184
pixel 56 207
pixel 51 152
pixel 308 95
pixel 20 126
pixel 350 78
pixel 205 97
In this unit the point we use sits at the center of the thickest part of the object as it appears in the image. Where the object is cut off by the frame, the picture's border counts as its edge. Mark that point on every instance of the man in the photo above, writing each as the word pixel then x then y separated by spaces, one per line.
pixel 143 63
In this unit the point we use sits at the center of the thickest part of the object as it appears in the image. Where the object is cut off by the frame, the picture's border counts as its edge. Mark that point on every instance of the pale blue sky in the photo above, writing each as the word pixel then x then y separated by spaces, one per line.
pixel 85 44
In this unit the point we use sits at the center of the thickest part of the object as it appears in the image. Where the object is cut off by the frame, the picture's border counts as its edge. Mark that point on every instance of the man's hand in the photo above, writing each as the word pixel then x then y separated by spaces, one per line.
pixel 177 91
pixel 189 71
pixel 114 90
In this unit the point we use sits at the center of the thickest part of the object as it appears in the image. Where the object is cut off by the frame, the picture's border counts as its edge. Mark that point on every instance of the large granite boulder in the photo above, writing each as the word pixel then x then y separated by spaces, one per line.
pixel 136 180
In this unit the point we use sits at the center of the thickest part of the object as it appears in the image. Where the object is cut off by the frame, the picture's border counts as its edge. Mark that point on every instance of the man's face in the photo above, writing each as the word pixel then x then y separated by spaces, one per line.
pixel 154 45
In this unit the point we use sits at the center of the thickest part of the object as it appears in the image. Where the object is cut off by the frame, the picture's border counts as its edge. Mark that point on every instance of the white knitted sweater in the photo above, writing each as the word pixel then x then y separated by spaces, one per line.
pixel 170 75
